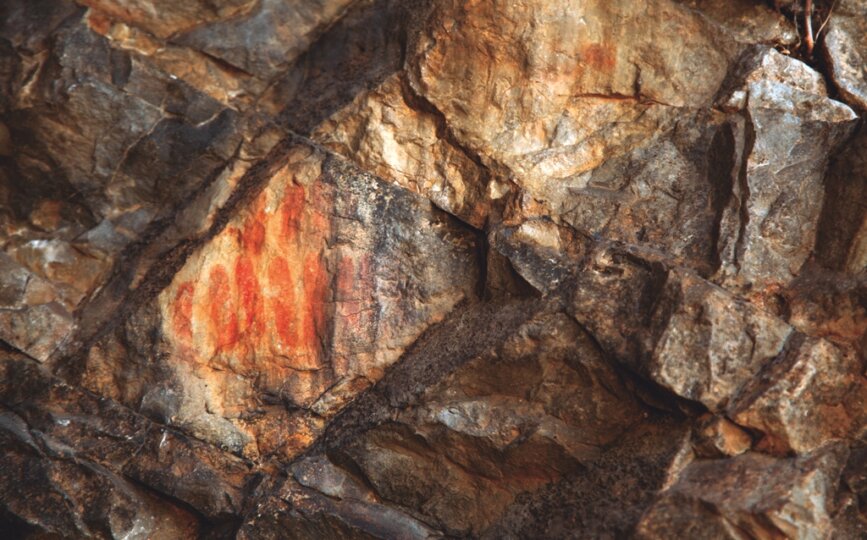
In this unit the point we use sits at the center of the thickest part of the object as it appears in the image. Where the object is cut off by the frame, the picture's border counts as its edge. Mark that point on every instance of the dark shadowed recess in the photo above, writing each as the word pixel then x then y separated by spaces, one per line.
pixel 358 53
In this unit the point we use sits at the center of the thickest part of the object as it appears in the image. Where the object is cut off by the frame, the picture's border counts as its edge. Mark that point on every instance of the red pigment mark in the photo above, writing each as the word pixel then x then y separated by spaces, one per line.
pixel 280 278
pixel 224 316
pixel 315 288
pixel 321 198
pixel 347 295
pixel 364 274
pixel 182 311
pixel 290 211
pixel 248 291
pixel 253 236
pixel 598 57
pixel 345 279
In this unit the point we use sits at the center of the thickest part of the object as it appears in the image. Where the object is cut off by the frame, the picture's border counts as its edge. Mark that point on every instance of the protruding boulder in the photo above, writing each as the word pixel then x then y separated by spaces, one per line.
pixel 751 494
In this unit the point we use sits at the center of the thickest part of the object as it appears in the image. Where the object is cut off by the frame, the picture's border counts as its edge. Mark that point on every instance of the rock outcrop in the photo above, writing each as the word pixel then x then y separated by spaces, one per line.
pixel 433 268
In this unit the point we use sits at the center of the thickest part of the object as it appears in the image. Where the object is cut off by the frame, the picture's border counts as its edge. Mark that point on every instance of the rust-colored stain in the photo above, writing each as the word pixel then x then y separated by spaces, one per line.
pixel 182 313
pixel 598 57
pixel 224 316
pixel 253 236
pixel 291 210
pixel 315 289
pixel 345 278
pixel 353 277
pixel 98 22
pixel 283 305
pixel 248 292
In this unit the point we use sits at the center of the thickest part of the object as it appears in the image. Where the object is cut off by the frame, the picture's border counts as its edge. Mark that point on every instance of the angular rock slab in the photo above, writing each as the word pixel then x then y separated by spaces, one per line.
pixel 231 51
pixel 82 461
pixel 508 422
pixel 713 344
pixel 818 392
pixel 751 495
pixel 31 317
pixel 845 50
pixel 54 493
pixel 164 19
pixel 665 322
pixel 664 193
pixel 508 98
pixel 86 125
pixel 384 133
pixel 590 130
pixel 784 134
pixel 267 39
pixel 315 287
pixel 550 90
pixel 697 339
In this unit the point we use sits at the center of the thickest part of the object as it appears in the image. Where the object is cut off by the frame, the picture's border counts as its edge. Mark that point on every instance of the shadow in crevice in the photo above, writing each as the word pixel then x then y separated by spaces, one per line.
pixel 844 210
pixel 357 54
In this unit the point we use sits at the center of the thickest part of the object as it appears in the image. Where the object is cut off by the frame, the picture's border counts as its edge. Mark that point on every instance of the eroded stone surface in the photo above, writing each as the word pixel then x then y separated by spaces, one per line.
pixel 816 394
pixel 704 344
pixel 324 280
pixel 514 407
pixel 787 129
pixel 82 460
pixel 574 65
pixel 750 494
pixel 683 332
pixel 386 135
pixel 85 126
pixel 845 47
pixel 412 269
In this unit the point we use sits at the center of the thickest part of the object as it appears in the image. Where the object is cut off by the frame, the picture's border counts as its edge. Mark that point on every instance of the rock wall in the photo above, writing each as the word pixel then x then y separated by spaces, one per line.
pixel 433 268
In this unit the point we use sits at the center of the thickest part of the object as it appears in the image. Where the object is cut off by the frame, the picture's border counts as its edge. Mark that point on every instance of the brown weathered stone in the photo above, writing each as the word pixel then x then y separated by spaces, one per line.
pixel 321 289
pixel 787 128
pixel 386 135
pixel 818 393
pixel 842 239
pixel 750 495
pixel 845 48
pixel 66 438
pixel 421 269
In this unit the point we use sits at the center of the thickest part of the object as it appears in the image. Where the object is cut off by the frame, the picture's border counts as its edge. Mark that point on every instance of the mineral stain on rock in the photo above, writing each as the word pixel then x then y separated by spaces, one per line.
pixel 433 268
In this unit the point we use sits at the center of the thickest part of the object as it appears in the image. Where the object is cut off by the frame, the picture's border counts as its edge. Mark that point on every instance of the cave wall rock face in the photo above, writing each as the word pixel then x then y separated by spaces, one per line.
pixel 432 268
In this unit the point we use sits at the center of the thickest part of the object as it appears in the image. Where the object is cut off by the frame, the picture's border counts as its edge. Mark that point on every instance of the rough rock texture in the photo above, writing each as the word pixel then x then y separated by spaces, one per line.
pixel 433 268
pixel 845 47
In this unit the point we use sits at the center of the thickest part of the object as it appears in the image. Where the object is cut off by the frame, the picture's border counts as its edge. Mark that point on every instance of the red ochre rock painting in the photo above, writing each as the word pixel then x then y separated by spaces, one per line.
pixel 256 299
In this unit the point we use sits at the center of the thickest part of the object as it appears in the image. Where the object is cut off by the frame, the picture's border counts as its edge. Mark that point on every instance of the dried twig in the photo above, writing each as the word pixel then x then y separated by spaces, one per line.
pixel 828 18
pixel 808 23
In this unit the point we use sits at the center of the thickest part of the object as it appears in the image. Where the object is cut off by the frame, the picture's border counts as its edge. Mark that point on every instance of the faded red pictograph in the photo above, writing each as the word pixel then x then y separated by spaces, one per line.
pixel 268 297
